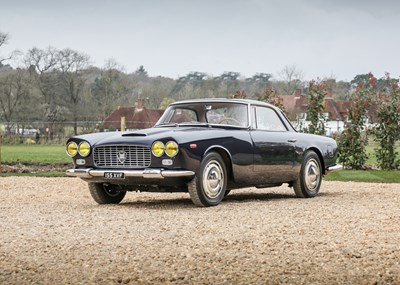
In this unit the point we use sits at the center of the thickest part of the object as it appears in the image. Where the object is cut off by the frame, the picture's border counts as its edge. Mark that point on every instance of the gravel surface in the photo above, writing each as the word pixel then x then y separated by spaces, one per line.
pixel 52 232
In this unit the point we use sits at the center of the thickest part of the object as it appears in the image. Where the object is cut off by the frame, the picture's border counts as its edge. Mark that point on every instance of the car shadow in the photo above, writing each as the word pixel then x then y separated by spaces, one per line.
pixel 159 203
pixel 232 198
pixel 251 197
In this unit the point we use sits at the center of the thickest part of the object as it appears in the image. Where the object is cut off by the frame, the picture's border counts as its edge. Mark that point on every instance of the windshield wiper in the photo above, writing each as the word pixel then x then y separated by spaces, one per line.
pixel 184 124
pixel 167 125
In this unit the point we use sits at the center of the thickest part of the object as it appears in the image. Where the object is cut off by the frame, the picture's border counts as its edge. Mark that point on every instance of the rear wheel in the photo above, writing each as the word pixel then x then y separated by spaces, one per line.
pixel 308 183
pixel 106 193
pixel 209 185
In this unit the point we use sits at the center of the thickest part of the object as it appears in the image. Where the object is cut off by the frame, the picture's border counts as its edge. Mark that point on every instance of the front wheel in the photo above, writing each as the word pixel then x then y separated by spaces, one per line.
pixel 106 193
pixel 309 181
pixel 209 185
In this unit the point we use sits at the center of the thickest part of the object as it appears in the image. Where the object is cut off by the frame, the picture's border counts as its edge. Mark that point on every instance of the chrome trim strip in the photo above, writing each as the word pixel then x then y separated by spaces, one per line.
pixel 146 173
pixel 334 168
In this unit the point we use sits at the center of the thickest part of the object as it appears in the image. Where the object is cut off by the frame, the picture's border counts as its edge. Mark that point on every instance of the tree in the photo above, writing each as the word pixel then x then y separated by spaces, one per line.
pixel 387 130
pixel 109 89
pixel 72 64
pixel 4 38
pixel 44 68
pixel 353 139
pixel 165 102
pixel 360 79
pixel 257 84
pixel 239 95
pixel 269 95
pixel 42 65
pixel 230 79
pixel 3 41
pixel 291 78
pixel 141 72
pixel 317 91
pixel 14 89
pixel 192 85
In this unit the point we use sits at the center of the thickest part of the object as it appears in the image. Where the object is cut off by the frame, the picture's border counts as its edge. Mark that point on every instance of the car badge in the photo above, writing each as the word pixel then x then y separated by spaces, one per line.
pixel 121 156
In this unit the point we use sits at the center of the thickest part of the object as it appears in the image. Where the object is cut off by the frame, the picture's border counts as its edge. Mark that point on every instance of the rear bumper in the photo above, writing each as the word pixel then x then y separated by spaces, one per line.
pixel 88 173
pixel 334 168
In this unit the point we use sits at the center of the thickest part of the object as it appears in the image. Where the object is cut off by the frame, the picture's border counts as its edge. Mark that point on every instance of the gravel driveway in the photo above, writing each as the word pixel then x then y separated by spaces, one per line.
pixel 52 232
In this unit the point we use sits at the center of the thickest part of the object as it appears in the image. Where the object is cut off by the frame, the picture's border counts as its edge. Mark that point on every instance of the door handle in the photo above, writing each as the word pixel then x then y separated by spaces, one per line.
pixel 292 140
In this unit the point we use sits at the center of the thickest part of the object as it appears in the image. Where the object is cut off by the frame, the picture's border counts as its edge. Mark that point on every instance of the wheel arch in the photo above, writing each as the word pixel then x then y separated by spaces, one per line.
pixel 226 156
pixel 321 159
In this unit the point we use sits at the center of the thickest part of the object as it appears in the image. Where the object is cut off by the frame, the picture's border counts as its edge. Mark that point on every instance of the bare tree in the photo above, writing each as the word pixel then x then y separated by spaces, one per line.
pixel 3 41
pixel 41 64
pixel 72 64
pixel 291 78
pixel 14 88
pixel 3 38
pixel 109 89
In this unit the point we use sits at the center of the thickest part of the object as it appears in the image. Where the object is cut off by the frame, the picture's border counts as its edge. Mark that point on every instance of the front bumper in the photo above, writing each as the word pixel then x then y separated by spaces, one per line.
pixel 87 173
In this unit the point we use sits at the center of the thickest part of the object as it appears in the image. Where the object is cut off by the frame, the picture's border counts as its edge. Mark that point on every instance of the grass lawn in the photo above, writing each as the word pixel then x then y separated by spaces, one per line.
pixel 371 153
pixel 43 154
pixel 376 176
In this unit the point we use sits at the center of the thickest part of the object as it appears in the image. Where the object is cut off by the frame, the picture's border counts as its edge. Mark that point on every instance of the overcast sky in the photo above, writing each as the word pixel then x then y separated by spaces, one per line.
pixel 323 38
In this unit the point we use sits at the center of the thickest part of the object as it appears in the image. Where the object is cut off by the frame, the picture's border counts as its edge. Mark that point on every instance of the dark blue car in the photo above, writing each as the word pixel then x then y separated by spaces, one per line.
pixel 205 147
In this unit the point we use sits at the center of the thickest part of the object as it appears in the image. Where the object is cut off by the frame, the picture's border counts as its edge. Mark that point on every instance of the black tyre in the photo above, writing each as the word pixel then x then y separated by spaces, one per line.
pixel 106 193
pixel 227 191
pixel 309 181
pixel 209 185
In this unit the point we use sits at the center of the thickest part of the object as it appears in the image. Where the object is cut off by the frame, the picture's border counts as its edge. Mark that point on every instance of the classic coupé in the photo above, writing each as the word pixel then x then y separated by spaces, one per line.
pixel 206 147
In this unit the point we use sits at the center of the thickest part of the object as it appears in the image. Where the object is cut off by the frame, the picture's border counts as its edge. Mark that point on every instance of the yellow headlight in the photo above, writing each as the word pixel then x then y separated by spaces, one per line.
pixel 84 148
pixel 72 149
pixel 171 148
pixel 157 148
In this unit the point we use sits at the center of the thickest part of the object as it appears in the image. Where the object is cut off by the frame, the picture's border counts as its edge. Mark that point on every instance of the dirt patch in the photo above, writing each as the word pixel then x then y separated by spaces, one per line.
pixel 52 232
pixel 34 167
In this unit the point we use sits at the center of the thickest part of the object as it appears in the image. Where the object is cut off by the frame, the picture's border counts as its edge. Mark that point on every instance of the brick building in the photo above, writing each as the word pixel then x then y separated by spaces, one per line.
pixel 136 117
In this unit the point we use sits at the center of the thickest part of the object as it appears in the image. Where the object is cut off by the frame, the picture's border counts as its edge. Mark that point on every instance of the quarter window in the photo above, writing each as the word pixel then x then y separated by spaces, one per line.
pixel 183 116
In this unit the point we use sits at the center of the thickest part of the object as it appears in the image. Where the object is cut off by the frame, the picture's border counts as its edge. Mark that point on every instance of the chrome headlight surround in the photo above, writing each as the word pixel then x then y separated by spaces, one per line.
pixel 84 148
pixel 157 148
pixel 72 149
pixel 171 149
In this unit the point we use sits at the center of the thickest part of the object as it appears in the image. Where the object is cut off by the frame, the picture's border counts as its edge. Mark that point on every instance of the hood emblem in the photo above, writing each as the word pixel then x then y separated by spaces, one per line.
pixel 121 156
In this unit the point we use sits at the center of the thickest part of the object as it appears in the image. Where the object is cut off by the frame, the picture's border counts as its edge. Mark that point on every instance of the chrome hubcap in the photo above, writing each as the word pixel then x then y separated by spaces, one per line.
pixel 213 179
pixel 312 174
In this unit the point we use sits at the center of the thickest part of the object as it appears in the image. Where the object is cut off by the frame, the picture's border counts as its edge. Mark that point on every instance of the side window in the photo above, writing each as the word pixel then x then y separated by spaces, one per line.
pixel 267 119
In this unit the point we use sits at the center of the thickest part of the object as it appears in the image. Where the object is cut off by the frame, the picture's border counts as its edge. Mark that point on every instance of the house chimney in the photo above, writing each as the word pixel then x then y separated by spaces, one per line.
pixel 139 105
pixel 297 93
pixel 329 93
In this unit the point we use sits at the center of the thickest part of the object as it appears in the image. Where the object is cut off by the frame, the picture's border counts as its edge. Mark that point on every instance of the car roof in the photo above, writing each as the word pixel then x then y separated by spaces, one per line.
pixel 224 100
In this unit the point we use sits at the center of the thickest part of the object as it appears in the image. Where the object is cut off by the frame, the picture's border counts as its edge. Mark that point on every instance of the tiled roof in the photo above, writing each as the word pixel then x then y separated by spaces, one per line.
pixel 134 118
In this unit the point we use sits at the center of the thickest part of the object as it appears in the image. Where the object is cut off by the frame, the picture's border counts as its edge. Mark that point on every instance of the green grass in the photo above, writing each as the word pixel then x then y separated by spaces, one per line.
pixel 43 154
pixel 370 149
pixel 376 176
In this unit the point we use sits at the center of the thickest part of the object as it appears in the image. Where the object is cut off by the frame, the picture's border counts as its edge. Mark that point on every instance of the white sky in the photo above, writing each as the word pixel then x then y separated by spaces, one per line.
pixel 323 38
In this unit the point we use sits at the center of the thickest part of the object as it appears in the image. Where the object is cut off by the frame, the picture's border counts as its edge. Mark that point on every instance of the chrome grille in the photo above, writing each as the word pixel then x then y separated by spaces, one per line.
pixel 122 156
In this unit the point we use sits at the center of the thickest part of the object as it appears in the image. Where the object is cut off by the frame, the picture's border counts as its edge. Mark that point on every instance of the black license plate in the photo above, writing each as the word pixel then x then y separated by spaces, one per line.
pixel 114 175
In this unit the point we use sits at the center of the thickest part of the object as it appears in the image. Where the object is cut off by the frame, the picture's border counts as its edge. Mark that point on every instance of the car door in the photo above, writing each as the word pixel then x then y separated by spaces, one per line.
pixel 273 144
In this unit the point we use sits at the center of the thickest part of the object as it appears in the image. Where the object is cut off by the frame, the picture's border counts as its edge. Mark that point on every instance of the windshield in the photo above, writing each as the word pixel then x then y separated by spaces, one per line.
pixel 213 113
